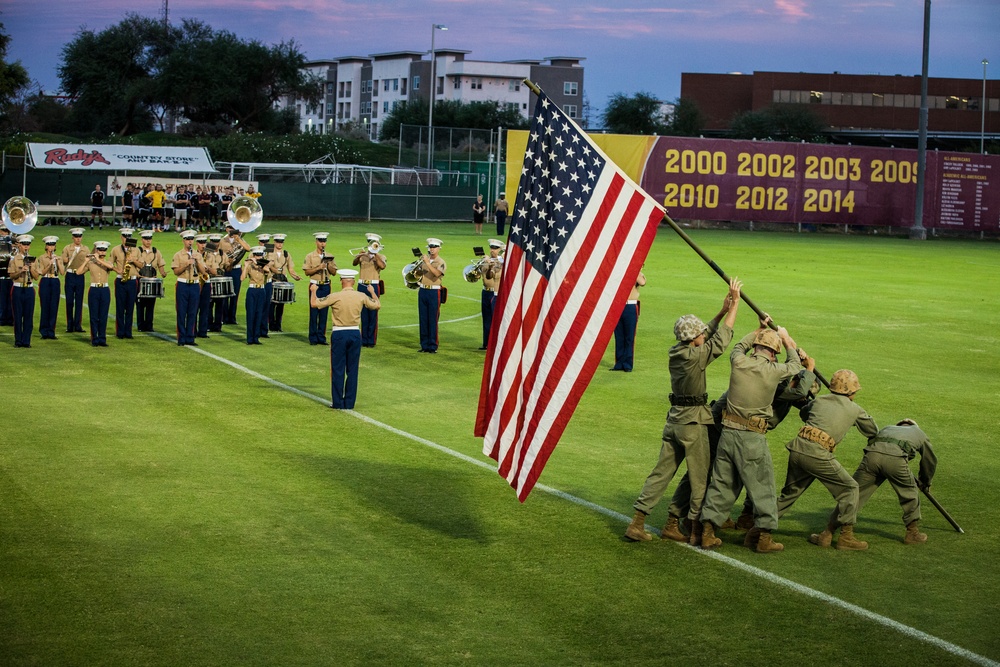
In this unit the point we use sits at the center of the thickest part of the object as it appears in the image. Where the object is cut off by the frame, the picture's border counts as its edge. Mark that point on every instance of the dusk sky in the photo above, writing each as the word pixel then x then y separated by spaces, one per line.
pixel 628 46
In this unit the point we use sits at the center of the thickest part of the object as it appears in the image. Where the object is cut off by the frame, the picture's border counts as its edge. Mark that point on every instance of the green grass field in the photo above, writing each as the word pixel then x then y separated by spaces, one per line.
pixel 160 506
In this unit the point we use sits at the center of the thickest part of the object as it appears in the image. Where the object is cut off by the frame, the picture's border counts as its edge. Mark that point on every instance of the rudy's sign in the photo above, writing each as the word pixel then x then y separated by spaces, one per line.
pixel 114 157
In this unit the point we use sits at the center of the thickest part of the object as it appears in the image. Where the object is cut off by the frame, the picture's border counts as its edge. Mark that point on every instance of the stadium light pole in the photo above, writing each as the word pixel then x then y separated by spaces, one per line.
pixel 917 231
pixel 982 103
pixel 431 94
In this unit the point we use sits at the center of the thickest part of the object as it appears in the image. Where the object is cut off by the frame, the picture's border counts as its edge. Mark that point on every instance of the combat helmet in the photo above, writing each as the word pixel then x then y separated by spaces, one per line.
pixel 768 338
pixel 844 382
pixel 688 327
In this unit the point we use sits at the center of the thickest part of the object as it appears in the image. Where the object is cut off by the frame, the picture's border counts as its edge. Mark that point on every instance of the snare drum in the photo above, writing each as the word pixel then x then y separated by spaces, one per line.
pixel 282 292
pixel 222 287
pixel 150 288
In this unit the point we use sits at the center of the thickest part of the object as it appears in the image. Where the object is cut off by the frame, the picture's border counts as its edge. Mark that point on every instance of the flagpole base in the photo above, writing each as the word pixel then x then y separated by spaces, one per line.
pixel 918 233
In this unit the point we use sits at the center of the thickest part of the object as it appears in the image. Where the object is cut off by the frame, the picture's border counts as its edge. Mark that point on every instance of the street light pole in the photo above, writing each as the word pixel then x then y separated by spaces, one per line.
pixel 431 94
pixel 982 103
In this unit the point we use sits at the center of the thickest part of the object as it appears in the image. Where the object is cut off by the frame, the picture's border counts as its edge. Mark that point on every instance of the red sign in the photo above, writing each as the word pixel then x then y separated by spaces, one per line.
pixel 722 179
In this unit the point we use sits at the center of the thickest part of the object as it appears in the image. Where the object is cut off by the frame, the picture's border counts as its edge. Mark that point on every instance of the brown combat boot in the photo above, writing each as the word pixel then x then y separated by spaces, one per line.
pixel 729 524
pixel 744 521
pixel 765 545
pixel 672 531
pixel 750 541
pixel 687 525
pixel 913 534
pixel 847 541
pixel 696 534
pixel 708 538
pixel 824 539
pixel 636 530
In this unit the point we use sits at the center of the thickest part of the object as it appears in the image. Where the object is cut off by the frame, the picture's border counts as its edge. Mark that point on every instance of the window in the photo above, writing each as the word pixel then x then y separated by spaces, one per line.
pixel 395 84
pixel 416 83
pixel 329 88
pixel 385 85
pixel 375 88
pixel 374 130
pixel 476 83
pixel 340 89
pixel 440 85
pixel 815 97
pixel 385 107
pixel 366 107
pixel 402 89
pixel 570 88
pixel 366 86
pixel 512 106
pixel 570 110
pixel 458 83
pixel 514 86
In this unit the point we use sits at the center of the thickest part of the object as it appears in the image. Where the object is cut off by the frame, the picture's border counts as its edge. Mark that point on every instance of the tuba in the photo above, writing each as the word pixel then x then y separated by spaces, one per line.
pixel 19 215
pixel 245 214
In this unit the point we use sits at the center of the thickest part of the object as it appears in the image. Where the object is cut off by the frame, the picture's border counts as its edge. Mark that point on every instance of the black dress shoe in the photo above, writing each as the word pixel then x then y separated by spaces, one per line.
pixel 264 336
pixel 483 347
pixel 194 344
pixel 103 344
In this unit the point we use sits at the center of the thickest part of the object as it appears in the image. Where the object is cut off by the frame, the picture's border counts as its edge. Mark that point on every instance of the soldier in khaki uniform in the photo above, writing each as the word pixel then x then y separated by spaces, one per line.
pixel 125 258
pixel 429 297
pixel 345 336
pixel 74 255
pixel 685 435
pixel 50 268
pixel 233 248
pixel 256 270
pixel 204 313
pixel 625 329
pixel 319 267
pixel 743 459
pixel 214 263
pixel 284 266
pixel 492 270
pixel 370 265
pixel 22 295
pixel 153 265
pixel 188 266
pixel 886 458
pixel 99 295
pixel 810 457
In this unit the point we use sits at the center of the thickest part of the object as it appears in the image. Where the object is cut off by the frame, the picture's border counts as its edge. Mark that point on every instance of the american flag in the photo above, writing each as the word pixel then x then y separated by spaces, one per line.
pixel 580 231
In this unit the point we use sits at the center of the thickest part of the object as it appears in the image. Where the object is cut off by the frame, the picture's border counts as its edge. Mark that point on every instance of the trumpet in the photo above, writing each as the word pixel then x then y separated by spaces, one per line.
pixel 127 246
pixel 373 248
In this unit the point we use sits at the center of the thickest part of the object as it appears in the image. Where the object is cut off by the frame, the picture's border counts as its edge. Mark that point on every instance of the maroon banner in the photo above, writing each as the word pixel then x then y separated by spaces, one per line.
pixel 722 179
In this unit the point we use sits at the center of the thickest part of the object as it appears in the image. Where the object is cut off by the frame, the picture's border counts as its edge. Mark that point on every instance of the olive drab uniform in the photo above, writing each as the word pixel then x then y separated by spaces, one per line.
pixel 346 307
pixel 886 458
pixel 685 435
pixel 827 420
pixel 743 459
pixel 74 256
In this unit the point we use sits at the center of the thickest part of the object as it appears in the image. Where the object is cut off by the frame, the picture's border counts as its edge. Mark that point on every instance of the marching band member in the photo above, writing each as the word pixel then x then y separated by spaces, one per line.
pixel 125 257
pixel 204 312
pixel 74 255
pixel 152 264
pixel 256 306
pixel 625 329
pixel 345 338
pixel 99 295
pixel 230 248
pixel 319 267
pixel 429 298
pixel 187 266
pixel 22 296
pixel 283 267
pixel 263 240
pixel 370 266
pixel 492 272
pixel 50 267
pixel 214 261
pixel 6 313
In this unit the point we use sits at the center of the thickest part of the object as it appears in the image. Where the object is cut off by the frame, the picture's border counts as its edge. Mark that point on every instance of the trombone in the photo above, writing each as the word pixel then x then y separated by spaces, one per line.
pixel 374 248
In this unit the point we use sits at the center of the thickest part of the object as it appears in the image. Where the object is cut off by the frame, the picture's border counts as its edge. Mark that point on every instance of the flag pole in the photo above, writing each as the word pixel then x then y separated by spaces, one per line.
pixel 715 267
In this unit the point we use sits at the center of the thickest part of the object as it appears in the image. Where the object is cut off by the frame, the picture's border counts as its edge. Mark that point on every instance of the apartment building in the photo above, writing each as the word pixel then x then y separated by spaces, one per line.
pixel 363 90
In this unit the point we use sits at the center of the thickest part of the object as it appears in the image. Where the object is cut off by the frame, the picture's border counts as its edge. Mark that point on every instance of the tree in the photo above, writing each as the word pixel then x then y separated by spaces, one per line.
pixel 686 120
pixel 13 81
pixel 779 123
pixel 639 114
pixel 256 76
